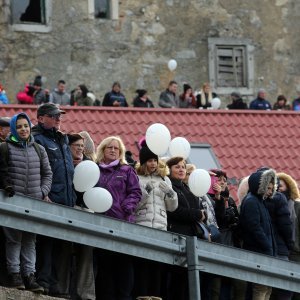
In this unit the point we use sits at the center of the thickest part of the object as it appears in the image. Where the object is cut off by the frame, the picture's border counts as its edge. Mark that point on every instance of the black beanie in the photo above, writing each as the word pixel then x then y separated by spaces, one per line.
pixel 146 154
pixel 38 81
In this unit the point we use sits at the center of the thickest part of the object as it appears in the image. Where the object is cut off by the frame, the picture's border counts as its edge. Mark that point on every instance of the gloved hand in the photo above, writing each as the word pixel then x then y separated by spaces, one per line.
pixel 9 191
pixel 164 187
pixel 149 187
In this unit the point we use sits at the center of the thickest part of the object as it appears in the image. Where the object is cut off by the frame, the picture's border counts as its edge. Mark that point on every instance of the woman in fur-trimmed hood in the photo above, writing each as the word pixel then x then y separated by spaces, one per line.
pixel 257 230
pixel 292 187
pixel 289 187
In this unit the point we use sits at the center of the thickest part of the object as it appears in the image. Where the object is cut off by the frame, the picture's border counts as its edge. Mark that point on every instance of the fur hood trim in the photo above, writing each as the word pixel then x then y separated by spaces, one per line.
pixel 259 181
pixel 291 184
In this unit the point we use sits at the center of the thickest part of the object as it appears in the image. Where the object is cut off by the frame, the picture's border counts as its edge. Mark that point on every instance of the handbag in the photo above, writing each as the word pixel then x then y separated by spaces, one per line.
pixel 209 233
pixel 215 234
pixel 205 231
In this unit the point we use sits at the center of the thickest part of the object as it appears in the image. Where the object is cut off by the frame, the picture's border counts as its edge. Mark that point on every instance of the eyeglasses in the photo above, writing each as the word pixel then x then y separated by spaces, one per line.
pixel 55 117
pixel 113 148
pixel 78 145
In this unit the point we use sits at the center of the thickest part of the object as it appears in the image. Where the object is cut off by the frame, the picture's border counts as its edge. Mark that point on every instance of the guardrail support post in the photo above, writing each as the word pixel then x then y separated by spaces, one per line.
pixel 193 268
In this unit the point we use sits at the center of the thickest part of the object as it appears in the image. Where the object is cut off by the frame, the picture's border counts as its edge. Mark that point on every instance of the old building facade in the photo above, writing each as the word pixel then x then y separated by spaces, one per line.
pixel 235 45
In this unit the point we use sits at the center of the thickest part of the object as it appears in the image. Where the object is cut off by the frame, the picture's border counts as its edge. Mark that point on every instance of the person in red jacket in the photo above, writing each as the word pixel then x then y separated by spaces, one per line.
pixel 26 96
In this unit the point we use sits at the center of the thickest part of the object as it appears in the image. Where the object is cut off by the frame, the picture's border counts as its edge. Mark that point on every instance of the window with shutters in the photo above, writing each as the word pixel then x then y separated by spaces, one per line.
pixel 31 15
pixel 231 65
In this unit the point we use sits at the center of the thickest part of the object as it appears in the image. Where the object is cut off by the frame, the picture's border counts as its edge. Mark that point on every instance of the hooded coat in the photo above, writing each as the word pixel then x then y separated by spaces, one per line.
pixel 24 171
pixel 293 197
pixel 256 226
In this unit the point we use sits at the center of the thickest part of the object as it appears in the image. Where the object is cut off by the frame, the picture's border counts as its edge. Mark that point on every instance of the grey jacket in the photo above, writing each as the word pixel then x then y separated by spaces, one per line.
pixel 168 99
pixel 26 173
pixel 60 98
pixel 152 209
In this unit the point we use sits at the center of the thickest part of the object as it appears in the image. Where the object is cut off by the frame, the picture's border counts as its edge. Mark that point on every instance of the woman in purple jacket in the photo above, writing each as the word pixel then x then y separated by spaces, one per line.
pixel 115 277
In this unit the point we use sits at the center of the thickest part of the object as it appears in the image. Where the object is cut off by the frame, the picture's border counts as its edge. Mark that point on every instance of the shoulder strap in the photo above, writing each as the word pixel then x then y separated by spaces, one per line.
pixel 38 150
pixel 4 150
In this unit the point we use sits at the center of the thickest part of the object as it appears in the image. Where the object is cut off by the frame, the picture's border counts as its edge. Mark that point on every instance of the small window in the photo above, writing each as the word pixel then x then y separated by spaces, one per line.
pixel 31 15
pixel 231 65
pixel 104 9
pixel 203 157
pixel 28 11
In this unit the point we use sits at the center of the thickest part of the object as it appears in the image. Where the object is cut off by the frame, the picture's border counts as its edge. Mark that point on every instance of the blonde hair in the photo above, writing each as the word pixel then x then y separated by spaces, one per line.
pixel 190 168
pixel 105 143
pixel 162 169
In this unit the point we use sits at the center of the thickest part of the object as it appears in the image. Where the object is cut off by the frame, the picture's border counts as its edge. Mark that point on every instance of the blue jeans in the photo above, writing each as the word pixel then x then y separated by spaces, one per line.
pixel 20 251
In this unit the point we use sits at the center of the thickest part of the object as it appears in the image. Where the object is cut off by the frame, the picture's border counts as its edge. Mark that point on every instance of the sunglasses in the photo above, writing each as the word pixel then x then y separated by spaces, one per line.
pixel 55 117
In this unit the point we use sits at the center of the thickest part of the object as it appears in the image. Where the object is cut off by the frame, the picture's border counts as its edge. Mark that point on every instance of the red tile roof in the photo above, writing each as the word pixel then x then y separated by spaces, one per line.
pixel 241 140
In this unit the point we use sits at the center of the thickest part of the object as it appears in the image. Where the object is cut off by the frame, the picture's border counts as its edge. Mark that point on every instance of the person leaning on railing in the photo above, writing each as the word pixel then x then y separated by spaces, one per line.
pixel 182 221
pixel 115 279
pixel 158 197
pixel 24 169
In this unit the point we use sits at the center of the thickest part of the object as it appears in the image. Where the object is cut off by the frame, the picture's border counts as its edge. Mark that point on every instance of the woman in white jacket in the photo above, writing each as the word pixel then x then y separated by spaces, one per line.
pixel 158 197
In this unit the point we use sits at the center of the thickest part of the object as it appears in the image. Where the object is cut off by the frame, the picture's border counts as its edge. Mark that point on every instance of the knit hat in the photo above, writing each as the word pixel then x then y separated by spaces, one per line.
pixel 186 87
pixel 38 81
pixel 89 146
pixel 146 154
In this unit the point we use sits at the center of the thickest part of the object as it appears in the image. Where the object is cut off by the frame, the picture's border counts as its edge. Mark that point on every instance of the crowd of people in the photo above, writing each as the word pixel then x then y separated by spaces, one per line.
pixel 39 161
pixel 34 93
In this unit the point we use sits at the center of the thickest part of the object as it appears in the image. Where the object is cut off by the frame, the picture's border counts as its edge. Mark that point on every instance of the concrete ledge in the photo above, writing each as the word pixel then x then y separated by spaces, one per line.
pixel 14 294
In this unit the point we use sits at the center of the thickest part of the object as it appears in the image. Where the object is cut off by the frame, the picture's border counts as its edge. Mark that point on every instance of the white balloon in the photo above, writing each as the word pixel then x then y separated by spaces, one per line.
pixel 199 182
pixel 158 138
pixel 98 199
pixel 172 64
pixel 86 175
pixel 215 103
pixel 179 146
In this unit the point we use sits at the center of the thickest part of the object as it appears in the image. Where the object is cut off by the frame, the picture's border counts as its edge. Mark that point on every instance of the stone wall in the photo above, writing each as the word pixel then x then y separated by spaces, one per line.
pixel 135 48
pixel 13 294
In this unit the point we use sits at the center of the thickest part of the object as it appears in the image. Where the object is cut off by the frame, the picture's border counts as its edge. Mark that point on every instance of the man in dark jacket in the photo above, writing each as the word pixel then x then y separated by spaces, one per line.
pixel 115 97
pixel 257 230
pixel 53 254
pixel 260 103
pixel 169 97
pixel 237 102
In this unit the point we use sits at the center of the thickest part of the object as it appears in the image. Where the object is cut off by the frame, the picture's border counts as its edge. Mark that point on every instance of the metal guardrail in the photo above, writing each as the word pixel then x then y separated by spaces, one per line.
pixel 96 230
